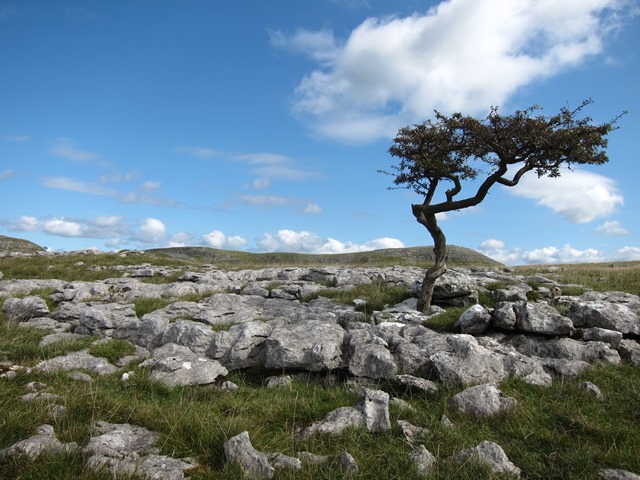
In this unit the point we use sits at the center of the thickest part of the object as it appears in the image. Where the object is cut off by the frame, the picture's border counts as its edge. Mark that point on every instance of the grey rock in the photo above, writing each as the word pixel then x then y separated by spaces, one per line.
pixel 44 441
pixel 104 318
pixel 474 321
pixel 564 368
pixel 491 455
pixel 125 449
pixel 541 318
pixel 467 363
pixel 504 316
pixel 630 351
pixel 422 459
pixel 513 293
pixel 242 346
pixel 455 288
pixel 284 381
pixel 23 309
pixel 146 333
pixel 411 432
pixel 482 401
pixel 617 474
pixel 371 360
pixel 81 360
pixel 348 463
pixel 565 348
pixel 336 422
pixel 283 462
pixel 313 459
pixel 592 390
pixel 418 383
pixel 188 333
pixel 376 411
pixel 596 334
pixel 253 464
pixel 39 397
pixel 314 346
pixel 176 365
pixel 612 316
pixel 58 337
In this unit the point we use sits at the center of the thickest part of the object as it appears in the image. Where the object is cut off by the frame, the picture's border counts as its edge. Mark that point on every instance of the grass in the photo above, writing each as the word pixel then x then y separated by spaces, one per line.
pixel 559 432
pixel 377 295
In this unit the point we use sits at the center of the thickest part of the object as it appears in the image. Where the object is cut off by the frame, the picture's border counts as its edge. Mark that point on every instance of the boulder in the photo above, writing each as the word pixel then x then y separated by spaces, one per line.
pixel 482 401
pixel 630 351
pixel 124 449
pixel 176 365
pixel 81 360
pixel 565 348
pixel 44 441
pixel 491 455
pixel 188 333
pixel 617 474
pixel 467 363
pixel 242 346
pixel 371 360
pixel 474 321
pixel 104 318
pixel 254 464
pixel 23 309
pixel 504 316
pixel 612 316
pixel 313 346
pixel 422 459
pixel 541 318
pixel 455 288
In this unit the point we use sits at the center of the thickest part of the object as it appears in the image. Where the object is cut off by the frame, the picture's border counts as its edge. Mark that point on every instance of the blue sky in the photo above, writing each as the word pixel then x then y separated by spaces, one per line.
pixel 261 125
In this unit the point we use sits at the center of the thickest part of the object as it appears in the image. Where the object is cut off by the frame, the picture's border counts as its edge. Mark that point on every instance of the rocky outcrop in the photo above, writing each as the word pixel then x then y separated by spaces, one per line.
pixel 262 318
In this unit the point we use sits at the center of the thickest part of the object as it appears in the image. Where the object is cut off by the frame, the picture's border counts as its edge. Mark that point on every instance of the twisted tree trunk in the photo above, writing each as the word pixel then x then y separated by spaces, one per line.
pixel 439 267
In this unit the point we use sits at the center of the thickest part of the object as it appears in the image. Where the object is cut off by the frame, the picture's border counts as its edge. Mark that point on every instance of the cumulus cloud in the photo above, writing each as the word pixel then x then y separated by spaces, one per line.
pixel 152 230
pixel 308 242
pixel 577 195
pixel 100 227
pixel 499 251
pixel 217 239
pixel 462 55
pixel 611 229
pixel 628 254
pixel 180 239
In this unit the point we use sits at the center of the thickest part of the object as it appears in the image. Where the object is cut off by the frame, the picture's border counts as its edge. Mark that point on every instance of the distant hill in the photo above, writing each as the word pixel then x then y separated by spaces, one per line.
pixel 18 245
pixel 419 256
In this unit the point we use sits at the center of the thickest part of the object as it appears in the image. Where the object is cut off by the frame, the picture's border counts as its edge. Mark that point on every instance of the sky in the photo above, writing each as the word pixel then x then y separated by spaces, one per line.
pixel 262 125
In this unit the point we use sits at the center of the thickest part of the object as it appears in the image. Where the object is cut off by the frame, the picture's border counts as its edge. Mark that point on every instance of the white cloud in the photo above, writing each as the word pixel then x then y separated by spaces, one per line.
pixel 217 239
pixel 62 227
pixel 313 209
pixel 199 152
pixel 308 242
pixel 577 195
pixel 13 138
pixel 150 186
pixel 65 148
pixel 100 227
pixel 628 254
pixel 64 183
pixel 6 174
pixel 26 224
pixel 462 55
pixel 152 230
pixel 266 200
pixel 497 250
pixel 611 229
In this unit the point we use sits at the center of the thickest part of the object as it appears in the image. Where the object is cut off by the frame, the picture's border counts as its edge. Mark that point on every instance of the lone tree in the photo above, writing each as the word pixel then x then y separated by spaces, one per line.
pixel 451 149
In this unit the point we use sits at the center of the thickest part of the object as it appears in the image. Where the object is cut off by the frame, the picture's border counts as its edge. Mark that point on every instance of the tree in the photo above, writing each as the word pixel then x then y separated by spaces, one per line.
pixel 452 149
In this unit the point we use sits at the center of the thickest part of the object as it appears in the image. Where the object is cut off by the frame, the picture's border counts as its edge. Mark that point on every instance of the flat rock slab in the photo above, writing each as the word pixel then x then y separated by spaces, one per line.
pixel 81 360
pixel 176 365
pixel 42 442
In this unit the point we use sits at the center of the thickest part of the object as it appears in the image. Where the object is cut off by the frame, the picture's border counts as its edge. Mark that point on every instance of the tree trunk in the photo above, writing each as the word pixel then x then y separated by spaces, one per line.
pixel 440 251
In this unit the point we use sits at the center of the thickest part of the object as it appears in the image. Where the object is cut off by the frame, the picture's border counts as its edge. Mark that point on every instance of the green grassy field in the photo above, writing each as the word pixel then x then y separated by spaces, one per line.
pixel 558 432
